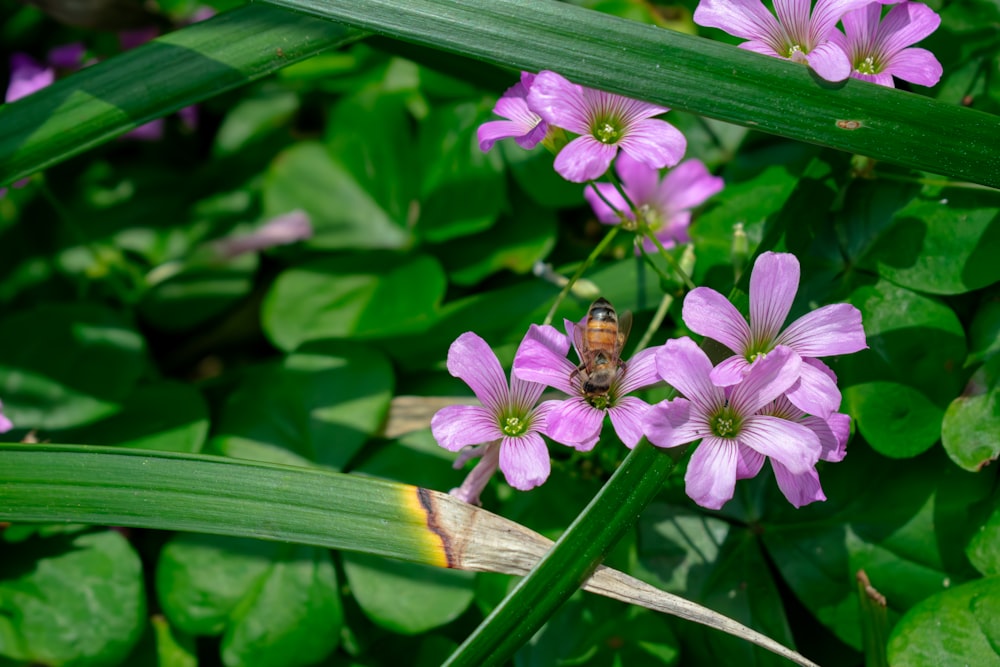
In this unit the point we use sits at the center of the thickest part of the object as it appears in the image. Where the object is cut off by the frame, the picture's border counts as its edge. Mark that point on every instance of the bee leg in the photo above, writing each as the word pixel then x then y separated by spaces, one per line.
pixel 576 371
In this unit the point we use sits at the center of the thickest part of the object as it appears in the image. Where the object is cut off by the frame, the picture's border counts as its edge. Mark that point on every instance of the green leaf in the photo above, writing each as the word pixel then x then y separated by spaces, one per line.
pixel 343 213
pixel 254 117
pixel 143 423
pixel 984 331
pixel 173 649
pixel 896 420
pixel 463 189
pixel 945 243
pixel 356 296
pixel 292 616
pixel 984 548
pixel 318 406
pixel 407 598
pixel 691 74
pixel 67 365
pixel 178 69
pixel 954 628
pixel 972 421
pixel 71 599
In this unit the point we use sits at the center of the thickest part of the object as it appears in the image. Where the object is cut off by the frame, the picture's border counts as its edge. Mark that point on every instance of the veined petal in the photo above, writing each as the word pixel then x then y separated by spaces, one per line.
pixel 559 102
pixel 906 24
pixel 827 13
pixel 773 283
pixel 815 392
pixel 730 371
pixel 915 65
pixel 627 417
pixel 674 423
pixel 748 19
pixel 710 314
pixel 492 131
pixel 768 378
pixel 791 444
pixel 584 159
pixel 538 359
pixel 763 48
pixel 640 371
pixel 524 461
pixel 525 393
pixel 711 475
pixel 829 61
pixel 575 423
pixel 800 489
pixel 609 192
pixel 833 329
pixel 473 361
pixel 458 426
pixel 655 143
pixel 686 368
pixel 749 462
pixel 832 433
pixel 687 185
pixel 793 15
pixel 640 180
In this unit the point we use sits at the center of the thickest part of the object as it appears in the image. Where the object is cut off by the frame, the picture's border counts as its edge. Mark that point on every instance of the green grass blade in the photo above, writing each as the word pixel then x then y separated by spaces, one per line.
pixel 169 73
pixel 692 74
pixel 577 553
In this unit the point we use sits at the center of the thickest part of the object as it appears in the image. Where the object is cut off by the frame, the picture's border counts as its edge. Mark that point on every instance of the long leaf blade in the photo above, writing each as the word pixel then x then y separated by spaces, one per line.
pixel 169 73
pixel 692 74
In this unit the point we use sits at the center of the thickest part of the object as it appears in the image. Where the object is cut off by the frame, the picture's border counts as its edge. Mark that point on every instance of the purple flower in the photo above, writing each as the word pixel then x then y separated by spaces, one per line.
pixel 664 204
pixel 834 329
pixel 524 125
pixel 605 123
pixel 878 52
pixel 735 436
pixel 577 421
pixel 797 34
pixel 802 488
pixel 281 230
pixel 507 423
pixel 27 76
pixel 5 423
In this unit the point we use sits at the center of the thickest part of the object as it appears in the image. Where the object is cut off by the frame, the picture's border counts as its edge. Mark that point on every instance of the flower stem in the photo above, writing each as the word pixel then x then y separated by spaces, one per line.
pixel 681 273
pixel 579 272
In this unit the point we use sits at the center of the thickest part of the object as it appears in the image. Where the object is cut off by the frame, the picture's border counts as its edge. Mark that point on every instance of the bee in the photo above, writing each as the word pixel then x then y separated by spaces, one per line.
pixel 599 342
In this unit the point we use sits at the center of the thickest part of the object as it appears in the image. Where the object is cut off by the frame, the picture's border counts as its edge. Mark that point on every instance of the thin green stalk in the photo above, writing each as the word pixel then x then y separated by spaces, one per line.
pixel 579 272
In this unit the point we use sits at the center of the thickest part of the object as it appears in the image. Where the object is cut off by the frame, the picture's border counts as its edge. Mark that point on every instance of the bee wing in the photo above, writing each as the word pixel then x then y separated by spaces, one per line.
pixel 579 341
pixel 624 326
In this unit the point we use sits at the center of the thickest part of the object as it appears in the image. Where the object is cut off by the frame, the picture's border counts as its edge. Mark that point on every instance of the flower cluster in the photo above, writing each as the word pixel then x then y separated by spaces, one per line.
pixel 870 48
pixel 772 399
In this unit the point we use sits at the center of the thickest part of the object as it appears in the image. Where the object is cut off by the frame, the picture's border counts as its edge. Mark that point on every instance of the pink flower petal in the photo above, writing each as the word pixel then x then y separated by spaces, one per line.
pixel 906 24
pixel 791 444
pixel 730 371
pixel 584 159
pixel 605 213
pixel 687 185
pixel 815 392
pixel 833 329
pixel 538 359
pixel 686 368
pixel 800 489
pixel 458 426
pixel 473 361
pixel 674 423
pixel 710 314
pixel 655 143
pixel 773 283
pixel 830 62
pixel 917 66
pixel 768 378
pixel 574 423
pixel 749 462
pixel 27 76
pixel 748 19
pixel 559 102
pixel 832 433
pixel 640 371
pixel 640 180
pixel 627 417
pixel 711 474
pixel 827 13
pixel 524 461
pixel 493 131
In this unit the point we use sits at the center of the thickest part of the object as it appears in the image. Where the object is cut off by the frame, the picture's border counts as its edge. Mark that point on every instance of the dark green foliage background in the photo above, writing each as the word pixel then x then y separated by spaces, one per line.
pixel 120 327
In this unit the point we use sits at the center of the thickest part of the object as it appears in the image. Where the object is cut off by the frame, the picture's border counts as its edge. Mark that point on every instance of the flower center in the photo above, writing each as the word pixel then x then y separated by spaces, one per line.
pixel 725 423
pixel 599 402
pixel 606 132
pixel 867 66
pixel 651 217
pixel 514 426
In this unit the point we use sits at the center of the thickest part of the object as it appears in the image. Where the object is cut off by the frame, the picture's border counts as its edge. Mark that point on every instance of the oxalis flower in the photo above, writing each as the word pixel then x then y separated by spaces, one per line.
pixel 577 421
pixel 797 34
pixel 802 488
pixel 524 125
pixel 664 205
pixel 830 330
pixel 605 123
pixel 735 436
pixel 506 426
pixel 877 52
